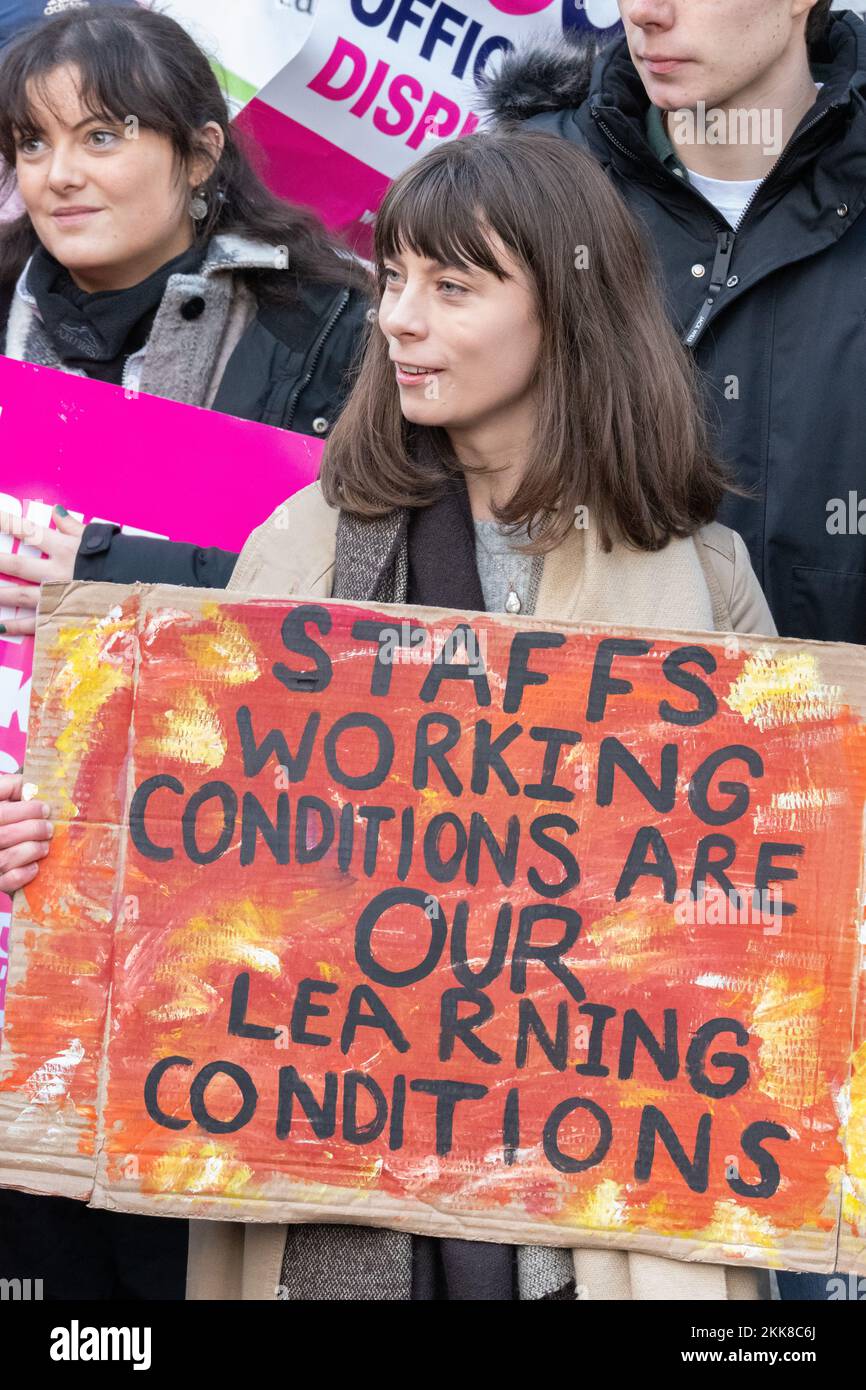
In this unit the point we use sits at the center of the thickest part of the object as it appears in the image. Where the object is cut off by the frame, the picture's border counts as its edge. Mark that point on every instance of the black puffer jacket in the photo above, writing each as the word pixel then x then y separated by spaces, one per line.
pixel 777 320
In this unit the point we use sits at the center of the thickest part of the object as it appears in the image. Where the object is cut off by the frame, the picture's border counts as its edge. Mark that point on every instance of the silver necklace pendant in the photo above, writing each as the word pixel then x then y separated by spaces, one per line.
pixel 512 602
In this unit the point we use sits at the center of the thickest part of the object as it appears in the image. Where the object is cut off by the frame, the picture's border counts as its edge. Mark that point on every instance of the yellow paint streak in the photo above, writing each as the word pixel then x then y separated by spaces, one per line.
pixel 658 1208
pixel 433 799
pixel 779 688
pixel 193 999
pixel 642 1095
pixel 242 935
pixel 224 652
pixel 854 1204
pixel 622 936
pixel 204 1167
pixel 195 734
pixel 788 1022
pixel 367 1174
pixel 94 668
pixel 732 1224
pixel 604 1208
pixel 854 1188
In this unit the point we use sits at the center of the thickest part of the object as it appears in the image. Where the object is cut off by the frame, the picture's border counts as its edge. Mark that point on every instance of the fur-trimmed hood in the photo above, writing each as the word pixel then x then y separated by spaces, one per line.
pixel 551 75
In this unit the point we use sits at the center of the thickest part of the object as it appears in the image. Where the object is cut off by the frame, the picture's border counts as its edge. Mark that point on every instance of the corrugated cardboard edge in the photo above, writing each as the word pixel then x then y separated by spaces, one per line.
pixel 346 1207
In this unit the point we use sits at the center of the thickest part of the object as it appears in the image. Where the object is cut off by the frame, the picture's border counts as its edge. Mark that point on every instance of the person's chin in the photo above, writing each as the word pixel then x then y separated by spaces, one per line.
pixel 419 410
pixel 76 252
pixel 673 93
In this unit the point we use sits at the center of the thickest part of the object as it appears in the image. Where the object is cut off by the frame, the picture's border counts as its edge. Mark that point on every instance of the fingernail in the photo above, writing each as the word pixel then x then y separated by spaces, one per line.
pixel 61 511
pixel 46 809
pixel 49 828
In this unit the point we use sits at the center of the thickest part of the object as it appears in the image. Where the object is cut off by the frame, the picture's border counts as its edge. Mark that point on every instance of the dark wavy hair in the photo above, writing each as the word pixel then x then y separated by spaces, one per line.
pixel 619 429
pixel 141 62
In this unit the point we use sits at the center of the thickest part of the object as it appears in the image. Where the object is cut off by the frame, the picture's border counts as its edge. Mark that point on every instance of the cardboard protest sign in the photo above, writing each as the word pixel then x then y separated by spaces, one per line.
pixel 473 926
pixel 108 454
pixel 376 81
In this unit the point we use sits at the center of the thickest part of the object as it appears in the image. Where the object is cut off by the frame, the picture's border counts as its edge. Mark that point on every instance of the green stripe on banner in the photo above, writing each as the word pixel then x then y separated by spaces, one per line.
pixel 235 87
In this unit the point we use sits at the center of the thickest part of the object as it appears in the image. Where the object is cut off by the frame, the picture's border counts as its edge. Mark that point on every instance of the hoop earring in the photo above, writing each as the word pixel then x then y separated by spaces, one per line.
pixel 198 206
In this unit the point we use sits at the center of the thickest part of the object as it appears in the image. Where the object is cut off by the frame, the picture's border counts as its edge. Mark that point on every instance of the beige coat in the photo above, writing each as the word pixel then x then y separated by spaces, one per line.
pixel 706 583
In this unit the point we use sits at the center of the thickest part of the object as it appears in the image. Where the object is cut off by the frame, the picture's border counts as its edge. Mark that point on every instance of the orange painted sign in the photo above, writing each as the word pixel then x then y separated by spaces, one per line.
pixel 460 924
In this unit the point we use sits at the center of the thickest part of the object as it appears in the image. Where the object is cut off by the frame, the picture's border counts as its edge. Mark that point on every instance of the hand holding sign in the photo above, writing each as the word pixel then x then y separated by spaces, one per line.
pixel 60 546
pixel 25 832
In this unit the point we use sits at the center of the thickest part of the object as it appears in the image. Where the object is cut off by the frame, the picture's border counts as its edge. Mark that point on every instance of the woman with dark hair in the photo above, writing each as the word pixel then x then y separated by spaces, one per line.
pixel 523 436
pixel 150 254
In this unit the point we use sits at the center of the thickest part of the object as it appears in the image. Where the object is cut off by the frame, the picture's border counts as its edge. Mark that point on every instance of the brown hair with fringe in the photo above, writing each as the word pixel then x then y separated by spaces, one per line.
pixel 620 429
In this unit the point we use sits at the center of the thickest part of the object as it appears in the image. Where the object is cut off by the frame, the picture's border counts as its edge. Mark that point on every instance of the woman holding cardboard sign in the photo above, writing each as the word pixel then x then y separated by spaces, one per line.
pixel 523 438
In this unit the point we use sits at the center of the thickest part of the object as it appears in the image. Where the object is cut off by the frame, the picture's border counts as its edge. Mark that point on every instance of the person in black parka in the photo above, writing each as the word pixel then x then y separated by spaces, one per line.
pixel 761 248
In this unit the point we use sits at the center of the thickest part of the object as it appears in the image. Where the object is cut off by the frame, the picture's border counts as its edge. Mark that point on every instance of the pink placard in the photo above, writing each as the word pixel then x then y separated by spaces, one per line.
pixel 149 464
pixel 305 167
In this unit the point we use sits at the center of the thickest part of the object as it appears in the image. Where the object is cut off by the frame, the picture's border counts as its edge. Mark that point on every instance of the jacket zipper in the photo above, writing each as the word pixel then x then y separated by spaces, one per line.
pixel 314 360
pixel 725 235
pixel 719 274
